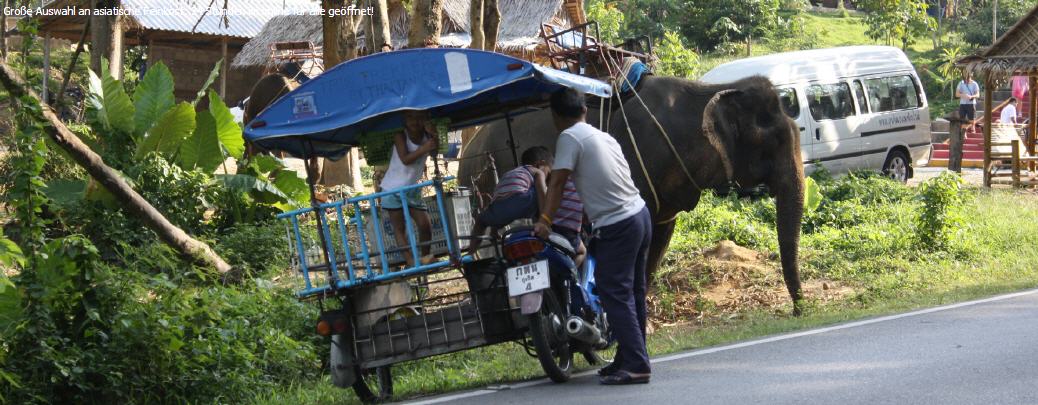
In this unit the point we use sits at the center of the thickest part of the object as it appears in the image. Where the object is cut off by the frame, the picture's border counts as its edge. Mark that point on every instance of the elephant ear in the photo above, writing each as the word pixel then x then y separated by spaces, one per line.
pixel 721 117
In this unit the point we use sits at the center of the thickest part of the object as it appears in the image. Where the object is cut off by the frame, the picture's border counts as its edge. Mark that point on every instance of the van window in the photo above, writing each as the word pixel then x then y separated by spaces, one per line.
pixel 892 93
pixel 830 101
pixel 859 95
pixel 790 104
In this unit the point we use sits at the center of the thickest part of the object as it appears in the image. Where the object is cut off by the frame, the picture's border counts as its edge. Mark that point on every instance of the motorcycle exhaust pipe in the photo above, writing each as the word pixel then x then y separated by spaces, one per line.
pixel 585 332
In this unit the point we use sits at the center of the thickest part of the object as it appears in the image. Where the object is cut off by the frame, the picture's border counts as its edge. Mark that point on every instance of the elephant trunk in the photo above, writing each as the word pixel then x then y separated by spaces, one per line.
pixel 788 190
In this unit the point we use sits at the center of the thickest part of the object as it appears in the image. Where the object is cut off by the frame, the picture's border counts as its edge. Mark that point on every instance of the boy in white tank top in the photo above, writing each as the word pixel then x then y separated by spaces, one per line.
pixel 411 149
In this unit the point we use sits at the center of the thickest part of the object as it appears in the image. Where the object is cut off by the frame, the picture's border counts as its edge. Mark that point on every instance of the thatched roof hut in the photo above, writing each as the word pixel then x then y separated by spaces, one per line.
pixel 518 34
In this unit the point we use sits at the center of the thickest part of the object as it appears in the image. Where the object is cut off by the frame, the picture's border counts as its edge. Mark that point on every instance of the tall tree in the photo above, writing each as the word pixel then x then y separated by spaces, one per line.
pixel 897 20
pixel 491 22
pixel 382 34
pixel 331 32
pixel 105 39
pixel 425 23
pixel 3 31
pixel 476 24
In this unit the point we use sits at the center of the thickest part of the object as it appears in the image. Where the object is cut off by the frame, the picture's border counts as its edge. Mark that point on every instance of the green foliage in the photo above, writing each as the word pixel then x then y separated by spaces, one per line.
pixel 941 215
pixel 610 20
pixel 168 134
pixel 975 26
pixel 674 59
pixel 183 196
pixel 208 82
pixel 256 249
pixel 114 110
pixel 710 23
pixel 812 195
pixel 900 20
pixel 152 98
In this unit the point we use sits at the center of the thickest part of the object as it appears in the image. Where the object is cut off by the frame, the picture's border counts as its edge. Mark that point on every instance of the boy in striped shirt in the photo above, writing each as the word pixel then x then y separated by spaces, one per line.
pixel 518 195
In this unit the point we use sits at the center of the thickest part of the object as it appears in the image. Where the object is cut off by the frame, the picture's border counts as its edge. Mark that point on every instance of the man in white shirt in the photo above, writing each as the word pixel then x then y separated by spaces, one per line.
pixel 1008 117
pixel 967 92
pixel 621 223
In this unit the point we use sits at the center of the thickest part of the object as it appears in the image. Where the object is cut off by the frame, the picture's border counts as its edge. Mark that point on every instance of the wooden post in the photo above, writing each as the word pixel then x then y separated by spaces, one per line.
pixel 987 131
pixel 46 65
pixel 115 61
pixel 1016 162
pixel 954 141
pixel 1032 114
pixel 223 68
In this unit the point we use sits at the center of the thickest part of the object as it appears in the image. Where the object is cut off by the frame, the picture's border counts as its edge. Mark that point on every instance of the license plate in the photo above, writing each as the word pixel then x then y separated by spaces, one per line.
pixel 528 278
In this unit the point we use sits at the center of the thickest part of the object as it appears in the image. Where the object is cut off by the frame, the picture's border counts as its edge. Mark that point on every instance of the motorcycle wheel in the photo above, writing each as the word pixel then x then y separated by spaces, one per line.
pixel 550 339
pixel 374 385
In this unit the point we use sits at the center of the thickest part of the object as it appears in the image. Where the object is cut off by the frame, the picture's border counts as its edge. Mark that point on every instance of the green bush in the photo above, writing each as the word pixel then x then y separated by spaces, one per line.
pixel 256 249
pixel 941 216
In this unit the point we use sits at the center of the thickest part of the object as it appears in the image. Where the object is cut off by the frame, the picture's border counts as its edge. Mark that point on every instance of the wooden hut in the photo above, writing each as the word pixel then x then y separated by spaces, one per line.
pixel 518 33
pixel 185 37
pixel 1013 54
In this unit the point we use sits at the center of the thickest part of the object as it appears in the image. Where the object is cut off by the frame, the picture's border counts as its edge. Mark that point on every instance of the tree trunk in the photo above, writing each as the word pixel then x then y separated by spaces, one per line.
pixel 476 24
pixel 101 36
pixel 3 32
pixel 380 25
pixel 369 33
pixel 425 23
pixel 331 32
pixel 135 205
pixel 491 22
pixel 348 40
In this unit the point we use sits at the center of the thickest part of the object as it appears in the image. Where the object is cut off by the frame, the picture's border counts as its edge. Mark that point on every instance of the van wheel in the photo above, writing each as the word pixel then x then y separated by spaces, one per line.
pixel 897 166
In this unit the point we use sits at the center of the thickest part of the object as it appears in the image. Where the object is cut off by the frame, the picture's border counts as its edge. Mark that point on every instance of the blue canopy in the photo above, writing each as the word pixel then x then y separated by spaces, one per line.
pixel 368 94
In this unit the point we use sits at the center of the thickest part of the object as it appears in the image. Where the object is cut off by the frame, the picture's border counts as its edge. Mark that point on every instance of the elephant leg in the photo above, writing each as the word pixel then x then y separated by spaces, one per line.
pixel 661 234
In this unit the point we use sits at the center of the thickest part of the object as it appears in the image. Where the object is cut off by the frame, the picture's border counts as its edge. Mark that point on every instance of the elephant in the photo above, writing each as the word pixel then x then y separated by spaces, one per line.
pixel 725 135
pixel 268 89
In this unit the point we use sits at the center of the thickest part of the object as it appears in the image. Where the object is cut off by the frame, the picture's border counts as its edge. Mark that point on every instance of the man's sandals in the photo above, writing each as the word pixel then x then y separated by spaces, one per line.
pixel 621 377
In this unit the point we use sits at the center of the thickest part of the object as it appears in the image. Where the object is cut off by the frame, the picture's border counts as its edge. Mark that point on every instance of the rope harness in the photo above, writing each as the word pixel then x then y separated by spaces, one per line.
pixel 712 138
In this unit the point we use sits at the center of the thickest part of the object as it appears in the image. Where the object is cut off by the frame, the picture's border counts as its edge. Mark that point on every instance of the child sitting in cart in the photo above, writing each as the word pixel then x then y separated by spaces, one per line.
pixel 518 196
pixel 411 148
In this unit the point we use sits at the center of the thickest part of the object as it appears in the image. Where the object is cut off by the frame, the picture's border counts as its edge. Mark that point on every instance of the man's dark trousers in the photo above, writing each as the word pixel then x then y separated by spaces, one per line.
pixel 620 251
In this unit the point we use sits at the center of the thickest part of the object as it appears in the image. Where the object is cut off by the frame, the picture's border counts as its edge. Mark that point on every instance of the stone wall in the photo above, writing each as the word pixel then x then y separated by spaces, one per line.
pixel 191 66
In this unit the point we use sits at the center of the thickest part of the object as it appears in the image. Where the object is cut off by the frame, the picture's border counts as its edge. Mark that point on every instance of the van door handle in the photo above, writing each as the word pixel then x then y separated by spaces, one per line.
pixel 818 134
pixel 802 129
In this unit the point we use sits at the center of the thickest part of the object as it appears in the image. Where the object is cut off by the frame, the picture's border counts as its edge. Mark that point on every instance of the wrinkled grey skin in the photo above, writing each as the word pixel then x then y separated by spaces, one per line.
pixel 745 130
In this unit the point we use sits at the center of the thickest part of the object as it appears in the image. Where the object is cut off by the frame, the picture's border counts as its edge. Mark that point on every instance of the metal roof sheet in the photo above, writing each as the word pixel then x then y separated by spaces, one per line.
pixel 244 18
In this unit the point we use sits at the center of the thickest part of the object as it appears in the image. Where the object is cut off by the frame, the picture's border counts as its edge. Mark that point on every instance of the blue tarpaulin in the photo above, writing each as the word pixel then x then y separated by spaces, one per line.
pixel 368 94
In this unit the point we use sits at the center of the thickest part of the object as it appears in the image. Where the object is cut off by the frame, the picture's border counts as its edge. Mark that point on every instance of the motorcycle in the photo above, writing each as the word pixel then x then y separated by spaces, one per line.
pixel 558 299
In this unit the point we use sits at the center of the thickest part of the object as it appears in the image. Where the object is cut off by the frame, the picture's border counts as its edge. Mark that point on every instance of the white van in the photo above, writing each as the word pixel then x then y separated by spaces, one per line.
pixel 858 107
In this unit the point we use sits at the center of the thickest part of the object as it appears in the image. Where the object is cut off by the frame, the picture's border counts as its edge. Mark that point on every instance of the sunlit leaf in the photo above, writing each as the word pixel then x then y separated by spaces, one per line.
pixel 812 195
pixel 208 81
pixel 227 129
pixel 152 98
pixel 169 132
pixel 202 149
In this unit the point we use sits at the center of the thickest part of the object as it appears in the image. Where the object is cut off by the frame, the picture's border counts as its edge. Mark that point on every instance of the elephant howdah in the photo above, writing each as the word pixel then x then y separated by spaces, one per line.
pixel 734 133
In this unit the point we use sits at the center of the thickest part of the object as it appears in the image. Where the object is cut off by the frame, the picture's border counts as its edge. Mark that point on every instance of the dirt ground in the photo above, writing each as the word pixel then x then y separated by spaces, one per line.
pixel 725 280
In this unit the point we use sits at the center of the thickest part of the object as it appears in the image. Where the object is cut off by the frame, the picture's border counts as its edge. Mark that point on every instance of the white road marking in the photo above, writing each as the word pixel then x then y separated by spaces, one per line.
pixel 701 352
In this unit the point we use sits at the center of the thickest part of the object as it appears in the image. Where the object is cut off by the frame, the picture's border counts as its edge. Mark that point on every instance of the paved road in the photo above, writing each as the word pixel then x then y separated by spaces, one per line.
pixel 977 352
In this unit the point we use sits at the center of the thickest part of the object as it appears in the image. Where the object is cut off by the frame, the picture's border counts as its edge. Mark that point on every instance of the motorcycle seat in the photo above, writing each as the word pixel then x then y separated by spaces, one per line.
pixel 554 239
